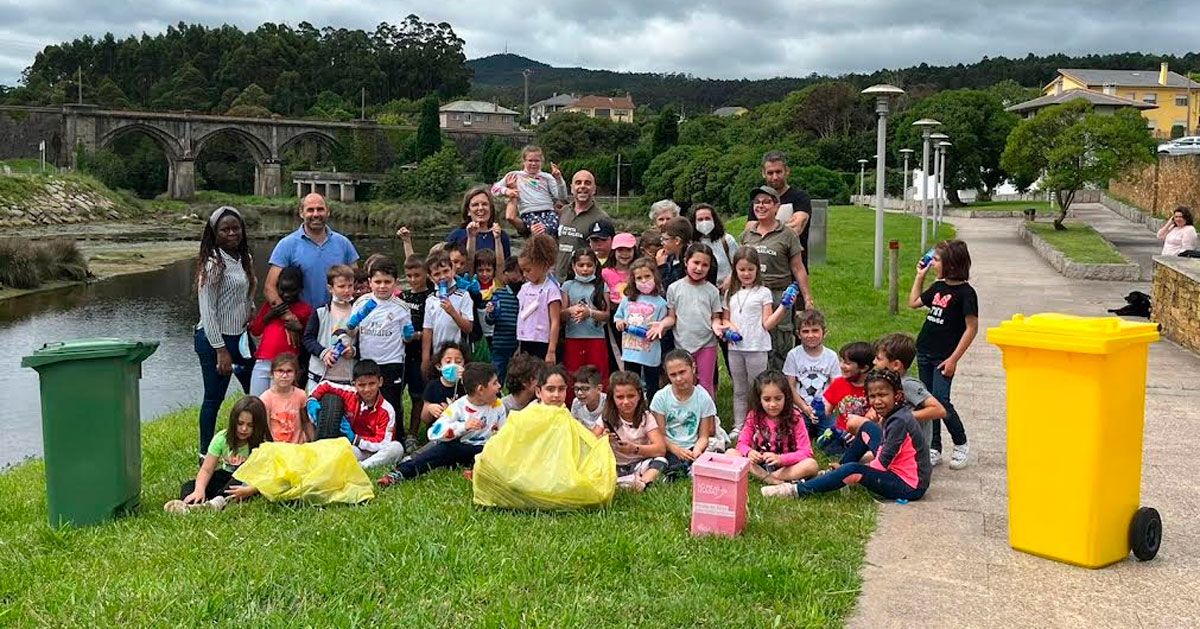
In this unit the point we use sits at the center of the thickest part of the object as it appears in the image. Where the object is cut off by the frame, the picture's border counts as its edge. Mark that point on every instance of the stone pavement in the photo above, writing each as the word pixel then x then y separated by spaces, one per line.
pixel 945 561
pixel 1133 240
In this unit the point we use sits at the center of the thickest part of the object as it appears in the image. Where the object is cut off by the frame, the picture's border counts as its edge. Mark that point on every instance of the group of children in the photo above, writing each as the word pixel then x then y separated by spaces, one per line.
pixel 639 331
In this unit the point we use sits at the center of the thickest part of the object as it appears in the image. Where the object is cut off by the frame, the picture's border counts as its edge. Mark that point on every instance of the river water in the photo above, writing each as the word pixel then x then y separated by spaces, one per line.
pixel 157 306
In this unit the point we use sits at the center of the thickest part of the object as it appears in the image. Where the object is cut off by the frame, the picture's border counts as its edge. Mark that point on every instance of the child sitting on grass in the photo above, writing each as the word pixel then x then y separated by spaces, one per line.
pixel 900 468
pixel 459 434
pixel 897 352
pixel 774 437
pixel 444 386
pixel 285 403
pixel 811 367
pixel 524 373
pixel 360 413
pixel 588 405
pixel 552 386
pixel 634 433
pixel 846 395
pixel 229 448
pixel 687 413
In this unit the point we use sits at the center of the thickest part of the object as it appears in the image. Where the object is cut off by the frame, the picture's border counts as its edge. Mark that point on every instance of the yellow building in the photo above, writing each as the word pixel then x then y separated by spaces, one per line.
pixel 615 108
pixel 1176 98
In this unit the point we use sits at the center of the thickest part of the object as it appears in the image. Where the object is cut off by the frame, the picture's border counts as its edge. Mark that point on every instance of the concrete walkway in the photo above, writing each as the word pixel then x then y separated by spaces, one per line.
pixel 1134 241
pixel 945 561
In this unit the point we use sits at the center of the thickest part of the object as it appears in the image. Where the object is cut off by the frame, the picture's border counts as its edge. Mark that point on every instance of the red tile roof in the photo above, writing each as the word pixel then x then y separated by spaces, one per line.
pixel 603 102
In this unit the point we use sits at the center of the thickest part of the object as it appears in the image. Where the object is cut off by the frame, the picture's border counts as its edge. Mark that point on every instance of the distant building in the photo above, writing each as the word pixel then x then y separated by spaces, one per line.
pixel 1173 98
pixel 476 115
pixel 615 108
pixel 1101 103
pixel 730 112
pixel 539 111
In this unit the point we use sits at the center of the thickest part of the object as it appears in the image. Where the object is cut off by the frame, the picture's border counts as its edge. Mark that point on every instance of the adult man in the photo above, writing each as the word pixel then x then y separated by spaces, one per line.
pixel 314 247
pixel 577 221
pixel 795 206
pixel 779 256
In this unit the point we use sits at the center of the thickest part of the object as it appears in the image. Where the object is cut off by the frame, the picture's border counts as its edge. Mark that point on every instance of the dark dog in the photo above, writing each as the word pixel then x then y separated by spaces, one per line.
pixel 1137 304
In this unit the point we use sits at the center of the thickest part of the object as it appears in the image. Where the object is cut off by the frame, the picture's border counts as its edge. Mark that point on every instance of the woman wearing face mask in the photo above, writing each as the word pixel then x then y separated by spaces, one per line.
pixel 711 231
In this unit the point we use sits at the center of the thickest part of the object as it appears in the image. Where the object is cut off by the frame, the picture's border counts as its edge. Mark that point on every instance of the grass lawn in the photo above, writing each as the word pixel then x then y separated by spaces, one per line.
pixel 1079 242
pixel 1004 206
pixel 421 555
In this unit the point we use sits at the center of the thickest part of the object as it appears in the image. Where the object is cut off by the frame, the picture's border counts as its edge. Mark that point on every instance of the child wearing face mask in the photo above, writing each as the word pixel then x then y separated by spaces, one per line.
pixel 642 308
pixel 711 231
pixel 327 327
pixel 584 315
pixel 444 386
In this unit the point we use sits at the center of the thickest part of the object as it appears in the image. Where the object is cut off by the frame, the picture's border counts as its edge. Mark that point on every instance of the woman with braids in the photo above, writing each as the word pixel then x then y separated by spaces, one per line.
pixel 225 285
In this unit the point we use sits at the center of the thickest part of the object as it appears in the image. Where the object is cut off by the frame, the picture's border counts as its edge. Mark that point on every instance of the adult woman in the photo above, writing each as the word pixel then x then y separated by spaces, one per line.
pixel 478 216
pixel 1179 233
pixel 711 231
pixel 779 253
pixel 663 211
pixel 225 285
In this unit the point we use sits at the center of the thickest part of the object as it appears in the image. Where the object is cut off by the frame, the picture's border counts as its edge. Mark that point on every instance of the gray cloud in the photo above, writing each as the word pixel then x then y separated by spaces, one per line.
pixel 715 38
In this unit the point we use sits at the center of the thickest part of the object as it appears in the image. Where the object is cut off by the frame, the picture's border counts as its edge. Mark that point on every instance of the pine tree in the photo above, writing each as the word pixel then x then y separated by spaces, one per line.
pixel 429 132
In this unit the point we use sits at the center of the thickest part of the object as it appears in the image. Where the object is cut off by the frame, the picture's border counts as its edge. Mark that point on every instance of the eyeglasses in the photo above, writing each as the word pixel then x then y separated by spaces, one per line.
pixel 580 389
pixel 285 371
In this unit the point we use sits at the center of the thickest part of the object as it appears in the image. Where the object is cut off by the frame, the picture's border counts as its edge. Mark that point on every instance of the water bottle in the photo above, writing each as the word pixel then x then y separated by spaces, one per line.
pixel 818 407
pixel 496 302
pixel 732 336
pixel 339 347
pixel 408 331
pixel 637 330
pixel 789 295
pixel 357 318
pixel 443 289
pixel 927 259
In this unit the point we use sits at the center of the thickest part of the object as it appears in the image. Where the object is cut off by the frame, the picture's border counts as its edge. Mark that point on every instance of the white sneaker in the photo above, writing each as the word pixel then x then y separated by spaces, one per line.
pixel 218 503
pixel 935 458
pixel 784 490
pixel 958 459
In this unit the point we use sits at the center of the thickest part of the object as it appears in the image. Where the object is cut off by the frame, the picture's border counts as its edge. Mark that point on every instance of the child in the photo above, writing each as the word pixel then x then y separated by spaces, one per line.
pixel 228 449
pixel 524 374
pixel 677 233
pixel 368 419
pixel 774 437
pixel 540 300
pixel 600 241
pixel 328 326
pixel 502 312
pixel 687 413
pixel 616 270
pixel 644 307
pixel 485 273
pixel 634 433
pixel 588 405
pixel 465 281
pixel 847 394
pixel 414 298
pixel 651 243
pixel 949 329
pixel 896 352
pixel 552 386
pixel 362 283
pixel 900 468
pixel 695 312
pixel 751 312
pixel 448 318
pixel 810 367
pixel 281 328
pixel 382 336
pixel 285 403
pixel 444 386
pixel 585 314
pixel 536 192
pixel 461 429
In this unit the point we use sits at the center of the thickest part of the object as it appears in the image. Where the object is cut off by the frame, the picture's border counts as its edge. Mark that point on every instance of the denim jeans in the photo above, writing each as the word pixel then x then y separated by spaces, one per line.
pixel 882 483
pixel 939 386
pixel 216 385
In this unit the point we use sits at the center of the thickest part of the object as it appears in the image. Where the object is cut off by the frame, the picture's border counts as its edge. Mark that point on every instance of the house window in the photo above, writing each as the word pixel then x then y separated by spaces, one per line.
pixel 1181 100
pixel 603 113
pixel 1151 98
pixel 454 116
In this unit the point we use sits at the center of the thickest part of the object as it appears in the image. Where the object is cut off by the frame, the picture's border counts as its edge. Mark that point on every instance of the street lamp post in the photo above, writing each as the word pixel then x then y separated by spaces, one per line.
pixel 935 139
pixel 926 126
pixel 862 175
pixel 943 148
pixel 883 94
pixel 906 153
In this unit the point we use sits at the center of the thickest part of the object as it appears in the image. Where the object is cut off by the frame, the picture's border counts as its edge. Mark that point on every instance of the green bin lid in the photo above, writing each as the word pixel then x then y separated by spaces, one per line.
pixel 88 349
pixel 1069 333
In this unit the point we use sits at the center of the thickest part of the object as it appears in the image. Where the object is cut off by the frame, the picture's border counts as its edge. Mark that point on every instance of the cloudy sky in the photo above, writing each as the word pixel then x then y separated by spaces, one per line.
pixel 715 38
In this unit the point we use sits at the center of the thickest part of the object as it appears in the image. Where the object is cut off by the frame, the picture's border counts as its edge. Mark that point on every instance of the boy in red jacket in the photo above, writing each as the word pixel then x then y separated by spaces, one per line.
pixel 358 413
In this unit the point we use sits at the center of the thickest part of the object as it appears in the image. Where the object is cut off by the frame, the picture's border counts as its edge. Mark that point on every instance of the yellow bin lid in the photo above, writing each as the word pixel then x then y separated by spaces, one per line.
pixel 1069 333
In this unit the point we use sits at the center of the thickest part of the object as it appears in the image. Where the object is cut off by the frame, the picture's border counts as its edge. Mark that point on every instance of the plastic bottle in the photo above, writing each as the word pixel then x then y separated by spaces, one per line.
pixel 732 336
pixel 818 407
pixel 927 259
pixel 339 348
pixel 789 295
pixel 357 318
pixel 637 330
pixel 496 303
pixel 443 289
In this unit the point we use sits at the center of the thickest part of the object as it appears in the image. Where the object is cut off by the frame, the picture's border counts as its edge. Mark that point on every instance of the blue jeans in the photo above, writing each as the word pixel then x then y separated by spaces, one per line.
pixel 500 360
pixel 216 385
pixel 939 386
pixel 879 482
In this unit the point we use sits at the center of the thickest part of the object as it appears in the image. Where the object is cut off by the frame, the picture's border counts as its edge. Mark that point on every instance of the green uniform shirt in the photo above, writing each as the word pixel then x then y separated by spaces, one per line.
pixel 775 253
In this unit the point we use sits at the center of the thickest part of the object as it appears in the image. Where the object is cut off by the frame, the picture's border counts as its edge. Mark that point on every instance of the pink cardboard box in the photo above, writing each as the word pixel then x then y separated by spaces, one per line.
pixel 719 494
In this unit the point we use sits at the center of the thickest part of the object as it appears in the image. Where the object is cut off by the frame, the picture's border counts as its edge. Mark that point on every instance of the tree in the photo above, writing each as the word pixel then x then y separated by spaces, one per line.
pixel 1070 146
pixel 110 96
pixel 187 89
pixel 429 130
pixel 666 130
pixel 833 109
pixel 252 103
pixel 329 106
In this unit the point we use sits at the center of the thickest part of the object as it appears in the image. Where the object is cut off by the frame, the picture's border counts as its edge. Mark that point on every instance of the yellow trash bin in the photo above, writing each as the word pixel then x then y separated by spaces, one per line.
pixel 1076 403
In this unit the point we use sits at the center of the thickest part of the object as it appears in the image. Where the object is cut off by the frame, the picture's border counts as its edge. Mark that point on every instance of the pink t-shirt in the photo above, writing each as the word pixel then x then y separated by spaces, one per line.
pixel 615 280
pixel 533 320
pixel 637 436
pixel 284 415
pixel 759 433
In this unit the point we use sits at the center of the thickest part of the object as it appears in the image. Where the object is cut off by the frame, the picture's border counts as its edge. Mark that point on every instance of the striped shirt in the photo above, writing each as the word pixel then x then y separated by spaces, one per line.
pixel 504 318
pixel 225 303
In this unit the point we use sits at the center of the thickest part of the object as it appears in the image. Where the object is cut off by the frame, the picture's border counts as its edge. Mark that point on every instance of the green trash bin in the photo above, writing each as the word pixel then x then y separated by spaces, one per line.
pixel 91 426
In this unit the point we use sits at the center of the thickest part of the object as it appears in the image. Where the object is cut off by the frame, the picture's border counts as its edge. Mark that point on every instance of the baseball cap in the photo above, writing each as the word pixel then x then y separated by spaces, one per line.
pixel 624 239
pixel 602 229
pixel 764 190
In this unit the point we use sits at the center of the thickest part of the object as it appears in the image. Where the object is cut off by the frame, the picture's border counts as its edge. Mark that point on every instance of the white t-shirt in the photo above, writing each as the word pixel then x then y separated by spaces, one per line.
pixel 746 312
pixel 589 419
pixel 812 375
pixel 445 330
pixel 381 334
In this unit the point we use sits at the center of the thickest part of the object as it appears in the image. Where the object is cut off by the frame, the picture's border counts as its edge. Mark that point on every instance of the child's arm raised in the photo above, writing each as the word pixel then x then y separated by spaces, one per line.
pixel 202 477
pixel 406 237
pixel 914 294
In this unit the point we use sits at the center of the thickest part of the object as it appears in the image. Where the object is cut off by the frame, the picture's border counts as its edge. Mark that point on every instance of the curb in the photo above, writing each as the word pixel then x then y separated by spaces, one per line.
pixel 1000 214
pixel 1127 272
pixel 1131 213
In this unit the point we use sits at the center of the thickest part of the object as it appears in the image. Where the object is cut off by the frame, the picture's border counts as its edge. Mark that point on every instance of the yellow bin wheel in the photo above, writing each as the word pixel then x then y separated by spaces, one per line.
pixel 1145 533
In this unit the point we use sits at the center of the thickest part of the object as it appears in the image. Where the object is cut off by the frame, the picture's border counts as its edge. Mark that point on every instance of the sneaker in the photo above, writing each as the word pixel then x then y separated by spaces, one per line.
pixel 469 474
pixel 786 490
pixel 958 458
pixel 389 479
pixel 935 458
pixel 217 504
pixel 176 506
pixel 410 444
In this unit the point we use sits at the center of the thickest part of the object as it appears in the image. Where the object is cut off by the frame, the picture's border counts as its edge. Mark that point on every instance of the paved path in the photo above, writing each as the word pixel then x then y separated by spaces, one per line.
pixel 945 561
pixel 1133 240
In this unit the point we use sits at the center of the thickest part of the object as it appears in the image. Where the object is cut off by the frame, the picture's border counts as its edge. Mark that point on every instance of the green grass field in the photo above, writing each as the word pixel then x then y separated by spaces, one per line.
pixel 1005 206
pixel 1079 242
pixel 421 555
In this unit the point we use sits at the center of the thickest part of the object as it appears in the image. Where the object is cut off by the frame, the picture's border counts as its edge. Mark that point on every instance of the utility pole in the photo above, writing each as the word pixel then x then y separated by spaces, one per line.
pixel 526 72
pixel 363 104
pixel 618 210
pixel 79 70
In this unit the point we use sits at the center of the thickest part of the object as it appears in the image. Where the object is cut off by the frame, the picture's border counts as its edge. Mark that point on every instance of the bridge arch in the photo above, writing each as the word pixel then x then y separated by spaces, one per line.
pixel 169 144
pixel 259 151
pixel 327 137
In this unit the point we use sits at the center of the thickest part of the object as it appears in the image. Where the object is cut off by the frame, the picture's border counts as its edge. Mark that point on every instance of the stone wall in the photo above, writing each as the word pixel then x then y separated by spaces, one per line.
pixel 1175 299
pixel 22 131
pixel 55 201
pixel 1127 272
pixel 1162 186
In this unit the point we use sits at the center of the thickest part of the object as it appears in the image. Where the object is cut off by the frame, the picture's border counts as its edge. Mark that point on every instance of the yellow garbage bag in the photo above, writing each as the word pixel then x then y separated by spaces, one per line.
pixel 321 472
pixel 544 459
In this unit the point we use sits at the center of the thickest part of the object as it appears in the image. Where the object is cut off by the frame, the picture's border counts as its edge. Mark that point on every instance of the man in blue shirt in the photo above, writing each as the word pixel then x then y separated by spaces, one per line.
pixel 314 247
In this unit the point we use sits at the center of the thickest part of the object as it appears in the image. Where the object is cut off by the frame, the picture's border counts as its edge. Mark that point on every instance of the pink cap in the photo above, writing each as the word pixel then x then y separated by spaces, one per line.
pixel 624 239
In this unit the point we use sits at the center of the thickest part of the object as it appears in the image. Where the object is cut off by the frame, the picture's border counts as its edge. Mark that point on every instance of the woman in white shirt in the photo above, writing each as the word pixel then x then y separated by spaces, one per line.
pixel 711 231
pixel 1179 233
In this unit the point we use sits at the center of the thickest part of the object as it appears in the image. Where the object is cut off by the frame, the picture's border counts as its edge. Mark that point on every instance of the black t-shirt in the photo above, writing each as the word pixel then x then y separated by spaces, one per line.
pixel 415 300
pixel 799 201
pixel 438 393
pixel 949 306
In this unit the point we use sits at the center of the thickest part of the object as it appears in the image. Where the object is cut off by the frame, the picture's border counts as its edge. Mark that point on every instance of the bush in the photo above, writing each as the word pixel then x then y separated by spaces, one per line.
pixel 821 183
pixel 26 264
pixel 437 178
